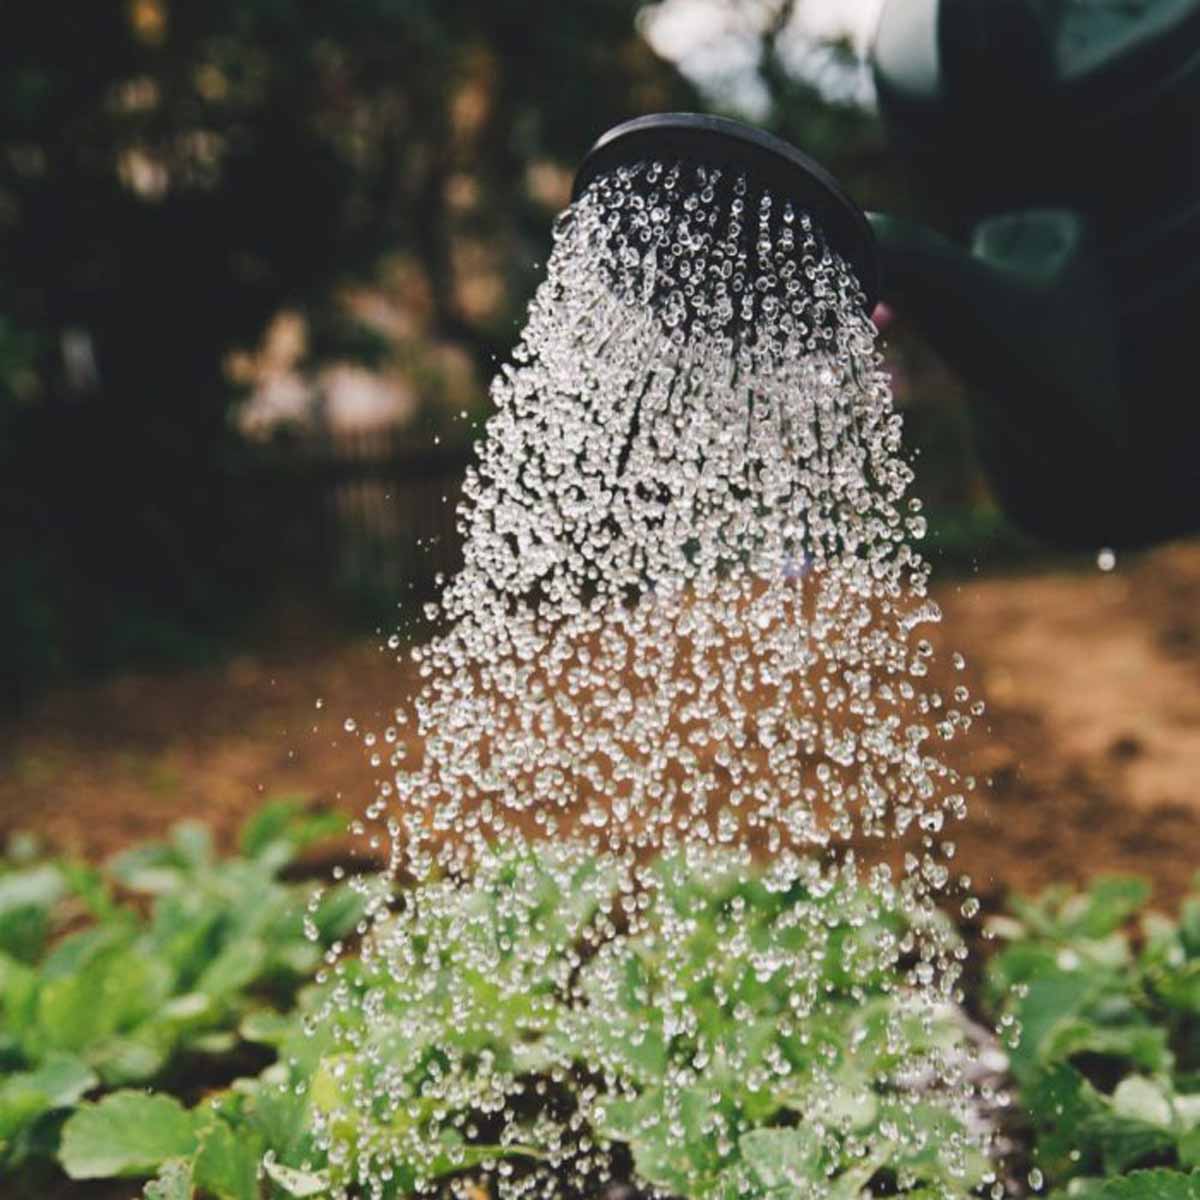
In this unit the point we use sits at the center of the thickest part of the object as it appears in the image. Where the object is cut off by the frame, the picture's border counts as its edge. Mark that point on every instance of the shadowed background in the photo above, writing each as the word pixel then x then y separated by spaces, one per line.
pixel 258 260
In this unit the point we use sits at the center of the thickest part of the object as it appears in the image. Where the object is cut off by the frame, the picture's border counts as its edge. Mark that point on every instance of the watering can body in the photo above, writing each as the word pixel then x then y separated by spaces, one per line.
pixel 1061 138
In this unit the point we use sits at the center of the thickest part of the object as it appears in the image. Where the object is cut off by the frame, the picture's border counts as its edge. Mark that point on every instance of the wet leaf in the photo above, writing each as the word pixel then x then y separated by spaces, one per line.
pixel 227 1162
pixel 297 1183
pixel 173 1182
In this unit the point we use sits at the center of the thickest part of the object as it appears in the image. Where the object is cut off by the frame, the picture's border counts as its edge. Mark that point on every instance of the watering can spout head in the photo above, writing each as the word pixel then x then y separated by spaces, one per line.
pixel 736 150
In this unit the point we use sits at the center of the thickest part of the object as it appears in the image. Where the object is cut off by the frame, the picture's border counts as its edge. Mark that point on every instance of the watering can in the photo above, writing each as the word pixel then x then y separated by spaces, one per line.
pixel 1061 138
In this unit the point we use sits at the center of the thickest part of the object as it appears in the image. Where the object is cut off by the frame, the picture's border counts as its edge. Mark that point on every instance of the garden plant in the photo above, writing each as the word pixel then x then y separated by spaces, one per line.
pixel 166 1022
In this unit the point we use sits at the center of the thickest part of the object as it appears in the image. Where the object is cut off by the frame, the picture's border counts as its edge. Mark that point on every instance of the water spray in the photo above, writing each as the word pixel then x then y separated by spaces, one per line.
pixel 683 678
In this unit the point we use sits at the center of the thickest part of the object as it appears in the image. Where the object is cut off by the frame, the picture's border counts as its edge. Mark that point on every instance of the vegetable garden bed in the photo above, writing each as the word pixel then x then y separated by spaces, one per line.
pixel 154 1012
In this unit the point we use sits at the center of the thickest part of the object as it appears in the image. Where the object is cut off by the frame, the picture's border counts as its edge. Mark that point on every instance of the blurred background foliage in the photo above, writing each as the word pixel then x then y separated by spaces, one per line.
pixel 229 227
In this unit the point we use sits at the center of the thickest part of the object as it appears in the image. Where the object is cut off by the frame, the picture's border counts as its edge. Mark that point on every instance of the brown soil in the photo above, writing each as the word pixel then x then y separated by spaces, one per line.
pixel 1091 742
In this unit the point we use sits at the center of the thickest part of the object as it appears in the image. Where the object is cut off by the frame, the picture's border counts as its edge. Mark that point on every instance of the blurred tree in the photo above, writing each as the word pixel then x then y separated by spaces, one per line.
pixel 171 176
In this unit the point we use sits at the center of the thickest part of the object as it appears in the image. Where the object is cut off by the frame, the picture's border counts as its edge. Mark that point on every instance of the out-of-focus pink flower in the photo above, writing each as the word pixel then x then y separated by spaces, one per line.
pixel 883 316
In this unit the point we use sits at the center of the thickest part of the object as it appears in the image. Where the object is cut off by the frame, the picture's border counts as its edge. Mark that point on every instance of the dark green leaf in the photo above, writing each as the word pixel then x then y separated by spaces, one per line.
pixel 1153 1185
pixel 1189 1148
pixel 23 932
pixel 1189 926
pixel 283 828
pixel 1049 1000
pixel 1060 1101
pixel 185 930
pixel 1143 1046
pixel 227 1162
pixel 239 964
pixel 1110 902
pixel 26 900
pixel 1178 986
pixel 1123 1142
pixel 338 912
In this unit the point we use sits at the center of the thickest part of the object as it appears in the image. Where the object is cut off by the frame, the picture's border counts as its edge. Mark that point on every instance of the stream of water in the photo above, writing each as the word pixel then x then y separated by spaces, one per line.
pixel 688 642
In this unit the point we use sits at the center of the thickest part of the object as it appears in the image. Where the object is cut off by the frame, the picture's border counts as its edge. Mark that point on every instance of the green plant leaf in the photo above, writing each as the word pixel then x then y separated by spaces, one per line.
pixel 127 1133
pixel 1189 926
pixel 1189 1149
pixel 23 932
pixel 783 1158
pixel 458 1155
pixel 1178 985
pixel 282 828
pixel 173 1182
pixel 1108 904
pixel 1143 1046
pixel 269 825
pixel 219 1041
pixel 57 1083
pixel 94 890
pixel 193 842
pixel 26 899
pixel 1060 1102
pixel 1158 1184
pixel 1142 1100
pixel 1186 1106
pixel 132 1058
pixel 154 868
pixel 1049 999
pixel 1122 1142
pixel 238 964
pixel 297 1183
pixel 338 911
pixel 20 1105
pixel 18 1000
pixel 227 1163
pixel 268 1027
pixel 34 887
pixel 280 1117
pixel 115 989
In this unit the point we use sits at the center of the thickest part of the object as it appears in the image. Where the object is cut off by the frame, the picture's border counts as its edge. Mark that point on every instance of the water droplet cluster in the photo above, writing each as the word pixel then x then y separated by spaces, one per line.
pixel 686 644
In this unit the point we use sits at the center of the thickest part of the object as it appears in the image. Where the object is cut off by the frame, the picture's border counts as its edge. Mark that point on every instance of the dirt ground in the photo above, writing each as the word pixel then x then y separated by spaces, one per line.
pixel 1091 742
